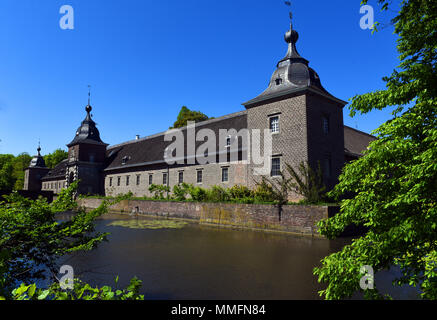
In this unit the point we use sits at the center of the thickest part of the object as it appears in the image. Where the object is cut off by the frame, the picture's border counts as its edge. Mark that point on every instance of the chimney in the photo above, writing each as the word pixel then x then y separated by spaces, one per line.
pixel 137 137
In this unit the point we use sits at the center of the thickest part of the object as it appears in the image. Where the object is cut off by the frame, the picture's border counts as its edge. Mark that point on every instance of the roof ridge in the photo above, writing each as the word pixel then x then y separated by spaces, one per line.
pixel 360 131
pixel 201 123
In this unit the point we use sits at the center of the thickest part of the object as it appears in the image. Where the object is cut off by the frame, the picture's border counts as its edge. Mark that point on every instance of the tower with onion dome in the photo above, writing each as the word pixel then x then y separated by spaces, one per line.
pixel 35 172
pixel 304 119
pixel 86 157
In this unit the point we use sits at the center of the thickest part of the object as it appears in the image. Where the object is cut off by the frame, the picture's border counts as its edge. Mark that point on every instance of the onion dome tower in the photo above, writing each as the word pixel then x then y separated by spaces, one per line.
pixel 292 74
pixel 86 156
pixel 35 172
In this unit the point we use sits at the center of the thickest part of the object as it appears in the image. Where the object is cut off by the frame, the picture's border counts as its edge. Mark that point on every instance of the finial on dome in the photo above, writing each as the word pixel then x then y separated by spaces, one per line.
pixel 39 148
pixel 291 36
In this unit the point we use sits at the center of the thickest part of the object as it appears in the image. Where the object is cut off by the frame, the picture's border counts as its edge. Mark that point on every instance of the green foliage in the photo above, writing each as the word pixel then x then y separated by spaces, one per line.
pixel 181 191
pixel 263 192
pixel 238 192
pixel 20 163
pixel 186 115
pixel 218 194
pixel 158 191
pixel 395 183
pixel 31 236
pixel 54 158
pixel 307 182
pixel 80 291
pixel 12 168
pixel 198 194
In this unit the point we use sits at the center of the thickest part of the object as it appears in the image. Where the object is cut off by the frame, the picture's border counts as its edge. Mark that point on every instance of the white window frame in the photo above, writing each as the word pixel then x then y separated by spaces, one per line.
pixel 227 174
pixel 278 124
pixel 280 166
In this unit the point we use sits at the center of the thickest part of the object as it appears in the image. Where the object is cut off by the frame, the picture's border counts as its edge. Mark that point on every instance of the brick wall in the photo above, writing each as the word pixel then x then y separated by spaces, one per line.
pixel 294 218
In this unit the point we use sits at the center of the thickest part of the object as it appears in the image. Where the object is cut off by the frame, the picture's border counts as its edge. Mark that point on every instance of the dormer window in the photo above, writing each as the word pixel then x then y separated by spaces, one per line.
pixel 278 81
pixel 125 160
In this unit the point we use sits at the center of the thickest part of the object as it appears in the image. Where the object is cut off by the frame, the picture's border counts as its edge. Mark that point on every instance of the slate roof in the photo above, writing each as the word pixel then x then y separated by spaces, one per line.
pixel 150 150
pixel 87 132
pixel 58 172
pixel 355 141
pixel 292 74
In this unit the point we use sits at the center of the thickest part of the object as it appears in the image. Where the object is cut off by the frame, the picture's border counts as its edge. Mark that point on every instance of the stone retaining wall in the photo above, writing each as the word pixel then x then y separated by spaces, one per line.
pixel 294 218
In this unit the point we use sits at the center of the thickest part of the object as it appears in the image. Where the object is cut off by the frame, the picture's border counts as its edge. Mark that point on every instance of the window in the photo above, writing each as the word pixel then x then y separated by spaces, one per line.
pixel 138 179
pixel 276 167
pixel 225 174
pixel 325 125
pixel 150 179
pixel 110 182
pixel 327 166
pixel 181 177
pixel 228 142
pixel 164 178
pixel 199 176
pixel 118 181
pixel 127 180
pixel 274 124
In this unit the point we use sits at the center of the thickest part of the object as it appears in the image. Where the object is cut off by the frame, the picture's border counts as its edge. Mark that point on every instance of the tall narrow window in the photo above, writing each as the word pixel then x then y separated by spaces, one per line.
pixel 225 174
pixel 110 182
pixel 181 177
pixel 325 125
pixel 164 178
pixel 199 176
pixel 228 142
pixel 150 179
pixel 327 166
pixel 127 180
pixel 274 124
pixel 276 167
pixel 138 179
pixel 118 181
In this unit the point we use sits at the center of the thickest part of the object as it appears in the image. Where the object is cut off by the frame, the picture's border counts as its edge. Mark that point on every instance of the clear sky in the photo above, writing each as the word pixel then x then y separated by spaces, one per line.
pixel 145 59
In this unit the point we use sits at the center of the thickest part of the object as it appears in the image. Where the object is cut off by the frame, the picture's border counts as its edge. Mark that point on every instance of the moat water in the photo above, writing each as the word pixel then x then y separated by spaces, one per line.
pixel 203 262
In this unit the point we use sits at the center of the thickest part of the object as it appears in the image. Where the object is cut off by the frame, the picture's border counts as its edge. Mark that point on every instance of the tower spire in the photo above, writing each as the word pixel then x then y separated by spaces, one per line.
pixel 290 14
pixel 39 148
pixel 89 94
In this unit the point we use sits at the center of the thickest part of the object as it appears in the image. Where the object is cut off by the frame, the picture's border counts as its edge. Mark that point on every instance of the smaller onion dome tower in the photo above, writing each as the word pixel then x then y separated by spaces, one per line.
pixel 35 172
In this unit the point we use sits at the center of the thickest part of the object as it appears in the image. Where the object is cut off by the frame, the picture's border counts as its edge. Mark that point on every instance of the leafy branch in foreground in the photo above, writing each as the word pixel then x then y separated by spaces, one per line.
pixel 80 291
pixel 395 183
pixel 32 239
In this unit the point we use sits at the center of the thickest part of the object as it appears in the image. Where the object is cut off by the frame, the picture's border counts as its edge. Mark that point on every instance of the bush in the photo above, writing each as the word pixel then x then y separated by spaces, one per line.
pixel 158 191
pixel 181 191
pixel 263 192
pixel 218 194
pixel 239 192
pixel 198 194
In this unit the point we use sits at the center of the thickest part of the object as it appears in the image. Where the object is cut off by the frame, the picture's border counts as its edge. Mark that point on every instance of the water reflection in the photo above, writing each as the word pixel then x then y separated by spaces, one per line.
pixel 200 262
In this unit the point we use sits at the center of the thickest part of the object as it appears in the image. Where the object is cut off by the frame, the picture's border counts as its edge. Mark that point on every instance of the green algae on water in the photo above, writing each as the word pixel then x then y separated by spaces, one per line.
pixel 148 224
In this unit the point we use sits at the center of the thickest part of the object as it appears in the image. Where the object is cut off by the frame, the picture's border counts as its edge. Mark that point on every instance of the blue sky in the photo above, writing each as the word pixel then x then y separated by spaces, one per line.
pixel 145 59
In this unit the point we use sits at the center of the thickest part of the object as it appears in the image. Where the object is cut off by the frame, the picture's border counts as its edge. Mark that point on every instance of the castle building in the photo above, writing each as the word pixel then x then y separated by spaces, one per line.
pixel 304 120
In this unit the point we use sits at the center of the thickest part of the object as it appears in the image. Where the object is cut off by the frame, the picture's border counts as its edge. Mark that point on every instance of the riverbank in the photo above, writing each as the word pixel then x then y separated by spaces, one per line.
pixel 292 219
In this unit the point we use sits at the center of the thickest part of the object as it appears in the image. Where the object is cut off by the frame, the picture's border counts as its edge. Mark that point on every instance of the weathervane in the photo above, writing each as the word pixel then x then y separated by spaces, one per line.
pixel 89 94
pixel 288 3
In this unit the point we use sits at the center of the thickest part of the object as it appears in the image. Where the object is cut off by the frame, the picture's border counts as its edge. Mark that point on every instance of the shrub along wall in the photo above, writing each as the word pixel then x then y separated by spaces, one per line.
pixel 299 219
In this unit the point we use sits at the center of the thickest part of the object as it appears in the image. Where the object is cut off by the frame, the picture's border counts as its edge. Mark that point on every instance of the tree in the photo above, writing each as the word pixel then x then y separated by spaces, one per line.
pixel 395 183
pixel 20 163
pixel 186 115
pixel 31 240
pixel 54 158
